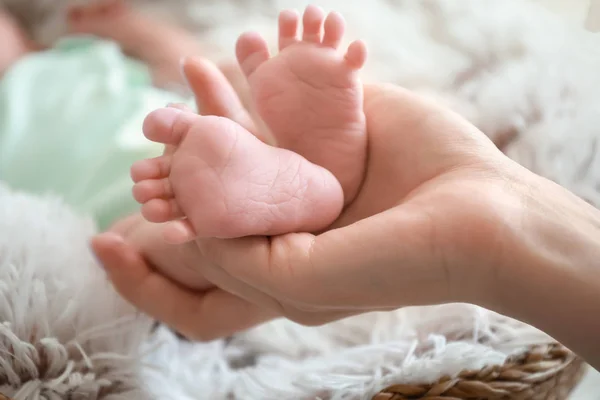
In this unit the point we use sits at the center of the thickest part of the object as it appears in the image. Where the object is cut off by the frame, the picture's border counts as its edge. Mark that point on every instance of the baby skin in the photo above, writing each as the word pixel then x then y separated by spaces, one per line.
pixel 158 44
pixel 216 179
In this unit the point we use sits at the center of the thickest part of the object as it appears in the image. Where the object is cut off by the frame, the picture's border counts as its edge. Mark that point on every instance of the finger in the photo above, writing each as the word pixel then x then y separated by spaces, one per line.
pixel 279 304
pixel 213 92
pixel 126 225
pixel 196 315
pixel 379 262
pixel 259 254
pixel 240 84
pixel 221 278
pixel 176 262
pixel 387 258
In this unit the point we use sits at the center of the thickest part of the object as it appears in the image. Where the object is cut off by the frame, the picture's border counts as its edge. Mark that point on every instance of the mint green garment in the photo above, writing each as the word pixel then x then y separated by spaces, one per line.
pixel 71 124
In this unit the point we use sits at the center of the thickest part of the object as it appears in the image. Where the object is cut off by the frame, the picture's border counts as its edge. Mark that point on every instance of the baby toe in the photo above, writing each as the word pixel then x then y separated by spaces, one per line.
pixel 288 28
pixel 334 30
pixel 147 190
pixel 312 23
pixel 152 168
pixel 356 56
pixel 161 210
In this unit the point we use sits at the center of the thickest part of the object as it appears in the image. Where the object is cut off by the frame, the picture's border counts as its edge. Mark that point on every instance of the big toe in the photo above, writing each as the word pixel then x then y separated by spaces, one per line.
pixel 167 125
pixel 251 51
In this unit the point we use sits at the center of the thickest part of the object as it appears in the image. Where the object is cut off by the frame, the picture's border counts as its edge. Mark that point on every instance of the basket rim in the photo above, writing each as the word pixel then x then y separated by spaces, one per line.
pixel 522 372
pixel 528 370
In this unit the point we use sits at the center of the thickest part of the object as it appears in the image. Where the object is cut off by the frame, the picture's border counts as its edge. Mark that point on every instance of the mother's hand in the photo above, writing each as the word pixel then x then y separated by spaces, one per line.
pixel 424 229
pixel 140 263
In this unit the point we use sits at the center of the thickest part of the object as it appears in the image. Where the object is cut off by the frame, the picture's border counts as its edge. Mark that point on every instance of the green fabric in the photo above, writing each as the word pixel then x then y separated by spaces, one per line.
pixel 70 124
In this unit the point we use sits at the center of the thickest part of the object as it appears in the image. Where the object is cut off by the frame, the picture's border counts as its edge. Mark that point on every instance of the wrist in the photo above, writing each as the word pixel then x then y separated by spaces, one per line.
pixel 549 275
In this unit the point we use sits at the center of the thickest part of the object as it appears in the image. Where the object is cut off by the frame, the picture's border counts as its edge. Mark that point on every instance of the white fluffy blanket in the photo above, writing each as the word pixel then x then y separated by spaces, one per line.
pixel 510 67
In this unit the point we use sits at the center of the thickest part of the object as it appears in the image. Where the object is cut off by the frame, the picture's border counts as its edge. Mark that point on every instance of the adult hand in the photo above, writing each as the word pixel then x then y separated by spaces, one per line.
pixel 427 227
pixel 424 229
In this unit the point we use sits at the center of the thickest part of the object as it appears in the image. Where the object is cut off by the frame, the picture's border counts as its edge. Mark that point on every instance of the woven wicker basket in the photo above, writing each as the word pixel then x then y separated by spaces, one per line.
pixel 548 372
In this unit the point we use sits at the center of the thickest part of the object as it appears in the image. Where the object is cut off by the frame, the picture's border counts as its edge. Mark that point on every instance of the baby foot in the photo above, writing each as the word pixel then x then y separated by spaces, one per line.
pixel 309 95
pixel 154 42
pixel 218 180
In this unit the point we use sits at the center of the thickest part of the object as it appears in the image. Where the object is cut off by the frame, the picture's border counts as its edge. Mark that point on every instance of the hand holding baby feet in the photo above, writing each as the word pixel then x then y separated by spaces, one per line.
pixel 309 95
pixel 218 180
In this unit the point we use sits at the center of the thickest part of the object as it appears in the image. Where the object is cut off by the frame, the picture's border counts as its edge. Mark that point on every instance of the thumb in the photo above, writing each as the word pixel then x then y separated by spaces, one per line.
pixel 213 92
pixel 382 262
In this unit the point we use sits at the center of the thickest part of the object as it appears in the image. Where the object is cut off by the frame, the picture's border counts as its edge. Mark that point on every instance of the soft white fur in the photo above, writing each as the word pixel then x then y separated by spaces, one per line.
pixel 62 326
pixel 508 66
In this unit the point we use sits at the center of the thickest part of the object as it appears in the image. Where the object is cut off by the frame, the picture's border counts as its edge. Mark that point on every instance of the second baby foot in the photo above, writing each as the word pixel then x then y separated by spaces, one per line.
pixel 309 95
pixel 218 180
